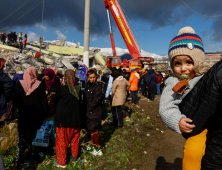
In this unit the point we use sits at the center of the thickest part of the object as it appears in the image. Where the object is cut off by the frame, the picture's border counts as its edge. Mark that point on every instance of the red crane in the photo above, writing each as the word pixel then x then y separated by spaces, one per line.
pixel 128 37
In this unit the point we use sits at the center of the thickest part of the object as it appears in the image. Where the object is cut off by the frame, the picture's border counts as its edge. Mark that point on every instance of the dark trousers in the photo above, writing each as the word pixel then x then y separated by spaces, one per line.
pixel 151 92
pixel 20 50
pixel 117 116
pixel 144 90
pixel 134 95
pixel 2 165
pixel 24 141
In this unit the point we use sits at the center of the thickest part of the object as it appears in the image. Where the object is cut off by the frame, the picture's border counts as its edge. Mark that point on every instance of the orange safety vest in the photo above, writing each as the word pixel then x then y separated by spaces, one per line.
pixel 134 81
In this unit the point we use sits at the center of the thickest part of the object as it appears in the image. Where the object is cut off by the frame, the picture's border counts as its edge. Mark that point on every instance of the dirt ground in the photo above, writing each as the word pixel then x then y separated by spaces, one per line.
pixel 144 143
pixel 164 152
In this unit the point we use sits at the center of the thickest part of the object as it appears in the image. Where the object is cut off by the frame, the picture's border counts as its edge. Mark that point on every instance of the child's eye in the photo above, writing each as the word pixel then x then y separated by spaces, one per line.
pixel 189 62
pixel 177 64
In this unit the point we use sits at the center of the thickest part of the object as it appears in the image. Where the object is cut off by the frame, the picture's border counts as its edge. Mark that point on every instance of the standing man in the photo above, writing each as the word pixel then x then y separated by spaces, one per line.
pixel 20 36
pixel 134 81
pixel 20 46
pixel 142 84
pixel 26 36
pixel 3 38
pixel 146 77
pixel 151 84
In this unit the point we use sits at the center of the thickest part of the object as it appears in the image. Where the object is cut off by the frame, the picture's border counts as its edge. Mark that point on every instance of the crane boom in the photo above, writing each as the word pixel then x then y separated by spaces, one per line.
pixel 124 28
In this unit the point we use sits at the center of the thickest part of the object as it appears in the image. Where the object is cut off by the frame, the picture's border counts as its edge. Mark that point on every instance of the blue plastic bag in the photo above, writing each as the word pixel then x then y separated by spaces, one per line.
pixel 43 134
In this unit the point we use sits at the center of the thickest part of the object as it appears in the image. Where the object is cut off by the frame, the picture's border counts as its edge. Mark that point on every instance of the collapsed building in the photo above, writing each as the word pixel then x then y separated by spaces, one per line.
pixel 61 54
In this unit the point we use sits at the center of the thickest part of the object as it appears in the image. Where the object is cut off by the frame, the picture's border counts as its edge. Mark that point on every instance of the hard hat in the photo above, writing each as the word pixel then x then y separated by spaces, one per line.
pixel 143 71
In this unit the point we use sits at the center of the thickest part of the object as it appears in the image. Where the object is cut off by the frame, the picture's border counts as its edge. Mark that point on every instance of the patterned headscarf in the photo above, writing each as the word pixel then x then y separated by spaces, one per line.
pixel 69 80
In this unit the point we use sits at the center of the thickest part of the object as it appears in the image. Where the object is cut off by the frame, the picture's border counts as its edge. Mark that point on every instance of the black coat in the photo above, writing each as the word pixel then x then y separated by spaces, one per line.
pixel 32 109
pixel 68 108
pixel 203 104
pixel 93 101
pixel 152 78
pixel 146 77
pixel 6 89
pixel 54 87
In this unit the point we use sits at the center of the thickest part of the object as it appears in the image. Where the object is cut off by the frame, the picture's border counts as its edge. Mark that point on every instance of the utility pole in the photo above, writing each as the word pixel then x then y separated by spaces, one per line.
pixel 86 33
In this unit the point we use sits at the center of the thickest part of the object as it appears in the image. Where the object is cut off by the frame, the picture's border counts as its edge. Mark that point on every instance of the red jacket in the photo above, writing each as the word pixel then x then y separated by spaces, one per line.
pixel 158 79
pixel 37 55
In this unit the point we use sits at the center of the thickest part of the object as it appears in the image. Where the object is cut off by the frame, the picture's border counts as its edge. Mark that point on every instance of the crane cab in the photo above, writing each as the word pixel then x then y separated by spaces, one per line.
pixel 113 62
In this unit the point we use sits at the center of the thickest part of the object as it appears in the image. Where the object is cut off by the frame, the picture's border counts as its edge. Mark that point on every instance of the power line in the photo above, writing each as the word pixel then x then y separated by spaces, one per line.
pixel 200 13
pixel 42 16
pixel 30 9
pixel 15 11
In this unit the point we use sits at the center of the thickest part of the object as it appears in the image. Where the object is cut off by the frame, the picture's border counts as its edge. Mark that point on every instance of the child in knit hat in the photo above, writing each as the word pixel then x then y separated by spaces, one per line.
pixel 186 54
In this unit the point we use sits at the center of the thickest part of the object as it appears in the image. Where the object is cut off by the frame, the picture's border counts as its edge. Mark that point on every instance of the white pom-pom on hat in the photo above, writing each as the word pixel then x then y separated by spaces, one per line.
pixel 187 29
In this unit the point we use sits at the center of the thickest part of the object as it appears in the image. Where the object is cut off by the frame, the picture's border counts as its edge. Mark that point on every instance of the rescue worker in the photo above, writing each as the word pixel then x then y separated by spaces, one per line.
pixel 109 63
pixel 20 46
pixel 134 81
pixel 3 38
pixel 37 56
pixel 9 37
pixel 16 36
pixel 20 36
pixel 26 36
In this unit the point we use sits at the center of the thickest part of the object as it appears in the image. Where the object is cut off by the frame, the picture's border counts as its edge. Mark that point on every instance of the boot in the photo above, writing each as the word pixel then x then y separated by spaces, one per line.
pixel 95 138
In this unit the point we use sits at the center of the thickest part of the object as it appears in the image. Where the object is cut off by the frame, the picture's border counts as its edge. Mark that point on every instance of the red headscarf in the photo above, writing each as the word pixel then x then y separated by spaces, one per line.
pixel 51 74
pixel 30 82
pixel 2 62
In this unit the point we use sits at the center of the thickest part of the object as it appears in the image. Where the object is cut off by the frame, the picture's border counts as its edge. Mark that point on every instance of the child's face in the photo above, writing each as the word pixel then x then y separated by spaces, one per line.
pixel 183 65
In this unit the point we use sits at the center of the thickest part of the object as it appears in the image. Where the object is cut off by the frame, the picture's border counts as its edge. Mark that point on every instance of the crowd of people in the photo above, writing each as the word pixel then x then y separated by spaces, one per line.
pixel 73 99
pixel 12 37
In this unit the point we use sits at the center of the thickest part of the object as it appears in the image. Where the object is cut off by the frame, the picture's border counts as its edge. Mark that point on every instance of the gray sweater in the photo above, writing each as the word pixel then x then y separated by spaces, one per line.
pixel 169 110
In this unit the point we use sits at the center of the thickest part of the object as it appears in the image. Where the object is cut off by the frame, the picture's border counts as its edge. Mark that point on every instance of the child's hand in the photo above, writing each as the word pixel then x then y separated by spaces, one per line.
pixel 186 127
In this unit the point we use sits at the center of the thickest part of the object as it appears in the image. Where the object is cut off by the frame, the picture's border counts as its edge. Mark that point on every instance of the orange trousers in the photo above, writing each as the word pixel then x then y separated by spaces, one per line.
pixel 194 150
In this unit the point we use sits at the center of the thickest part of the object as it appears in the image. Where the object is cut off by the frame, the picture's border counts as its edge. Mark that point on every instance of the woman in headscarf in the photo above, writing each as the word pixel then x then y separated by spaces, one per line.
pixel 50 82
pixel 30 99
pixel 93 100
pixel 67 118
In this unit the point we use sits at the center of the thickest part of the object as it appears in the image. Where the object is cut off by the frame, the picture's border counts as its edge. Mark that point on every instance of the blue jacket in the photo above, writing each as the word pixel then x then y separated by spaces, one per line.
pixel 109 87
pixel 6 90
pixel 18 76
pixel 152 78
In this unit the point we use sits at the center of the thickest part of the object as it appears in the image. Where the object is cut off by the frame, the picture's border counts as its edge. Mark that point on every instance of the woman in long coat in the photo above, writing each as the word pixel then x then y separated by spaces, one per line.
pixel 93 100
pixel 30 99
pixel 67 118
pixel 120 87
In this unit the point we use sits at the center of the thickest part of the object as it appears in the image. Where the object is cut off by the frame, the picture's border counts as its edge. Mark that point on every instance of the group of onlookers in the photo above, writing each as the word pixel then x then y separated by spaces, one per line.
pixel 152 82
pixel 39 97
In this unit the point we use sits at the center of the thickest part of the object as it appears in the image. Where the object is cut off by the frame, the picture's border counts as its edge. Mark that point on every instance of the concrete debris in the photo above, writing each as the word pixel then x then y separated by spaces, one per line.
pixel 48 58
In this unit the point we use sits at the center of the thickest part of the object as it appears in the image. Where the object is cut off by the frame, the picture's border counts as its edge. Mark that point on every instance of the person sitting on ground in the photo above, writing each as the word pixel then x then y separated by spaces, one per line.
pixel 120 86
pixel 18 75
pixel 30 99
pixel 93 98
pixel 67 119
pixel 186 55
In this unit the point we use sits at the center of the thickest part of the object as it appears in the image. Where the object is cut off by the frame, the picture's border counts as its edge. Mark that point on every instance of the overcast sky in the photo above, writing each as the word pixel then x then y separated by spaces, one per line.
pixel 154 23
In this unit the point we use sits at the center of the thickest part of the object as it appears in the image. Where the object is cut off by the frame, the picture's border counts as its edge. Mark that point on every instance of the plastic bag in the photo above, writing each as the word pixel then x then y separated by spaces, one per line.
pixel 43 134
